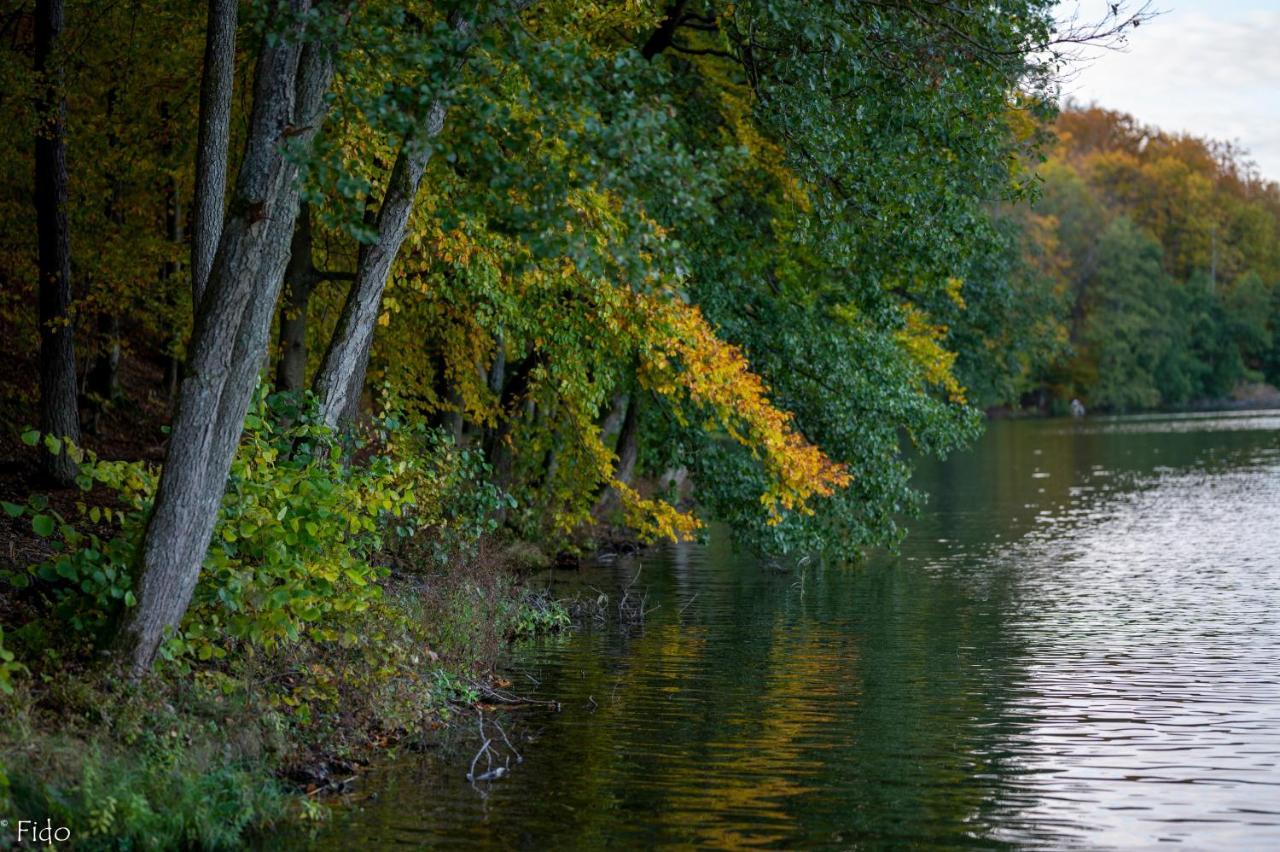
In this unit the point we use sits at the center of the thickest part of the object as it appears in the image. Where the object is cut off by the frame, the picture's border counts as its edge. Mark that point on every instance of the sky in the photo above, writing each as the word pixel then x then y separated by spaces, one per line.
pixel 1207 67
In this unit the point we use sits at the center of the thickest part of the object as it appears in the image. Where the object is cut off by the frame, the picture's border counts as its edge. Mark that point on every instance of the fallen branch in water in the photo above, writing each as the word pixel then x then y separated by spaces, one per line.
pixel 496 696
pixel 491 754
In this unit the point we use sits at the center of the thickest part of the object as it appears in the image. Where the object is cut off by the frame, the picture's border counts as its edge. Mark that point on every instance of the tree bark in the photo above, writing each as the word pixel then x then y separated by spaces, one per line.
pixel 340 379
pixel 169 269
pixel 103 381
pixel 229 343
pixel 612 422
pixel 628 452
pixel 498 449
pixel 341 376
pixel 662 37
pixel 291 372
pixel 449 406
pixel 212 141
pixel 59 408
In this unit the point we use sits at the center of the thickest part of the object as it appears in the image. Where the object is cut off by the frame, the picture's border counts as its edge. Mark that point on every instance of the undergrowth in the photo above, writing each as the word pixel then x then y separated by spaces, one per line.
pixel 354 594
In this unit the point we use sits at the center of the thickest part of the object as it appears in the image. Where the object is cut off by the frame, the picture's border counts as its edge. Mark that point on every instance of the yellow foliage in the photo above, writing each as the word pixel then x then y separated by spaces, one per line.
pixel 920 340
pixel 686 359
pixel 654 519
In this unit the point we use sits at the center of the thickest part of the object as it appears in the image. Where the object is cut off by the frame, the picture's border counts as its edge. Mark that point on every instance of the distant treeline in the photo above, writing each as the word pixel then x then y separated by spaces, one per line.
pixel 1158 256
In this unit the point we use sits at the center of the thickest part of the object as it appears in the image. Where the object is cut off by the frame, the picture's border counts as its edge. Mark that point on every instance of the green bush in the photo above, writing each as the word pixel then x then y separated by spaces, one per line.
pixel 296 546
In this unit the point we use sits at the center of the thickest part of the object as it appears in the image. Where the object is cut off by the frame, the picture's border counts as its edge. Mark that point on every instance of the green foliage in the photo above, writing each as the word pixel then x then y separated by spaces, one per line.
pixel 293 549
pixel 132 771
pixel 296 546
pixel 541 615
pixel 1127 330
pixel 1165 253
pixel 461 502
pixel 9 667
pixel 88 579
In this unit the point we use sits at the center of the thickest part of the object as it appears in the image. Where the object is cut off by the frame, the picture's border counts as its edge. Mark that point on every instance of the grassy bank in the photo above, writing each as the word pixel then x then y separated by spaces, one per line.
pixel 203 755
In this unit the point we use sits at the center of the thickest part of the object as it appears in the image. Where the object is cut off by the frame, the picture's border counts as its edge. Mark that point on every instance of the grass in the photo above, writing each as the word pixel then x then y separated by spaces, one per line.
pixel 205 755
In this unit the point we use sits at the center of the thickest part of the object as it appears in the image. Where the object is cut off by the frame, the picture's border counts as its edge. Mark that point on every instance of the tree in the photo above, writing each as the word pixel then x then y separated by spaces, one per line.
pixel 214 139
pixel 1127 331
pixel 229 343
pixel 59 407
pixel 1215 223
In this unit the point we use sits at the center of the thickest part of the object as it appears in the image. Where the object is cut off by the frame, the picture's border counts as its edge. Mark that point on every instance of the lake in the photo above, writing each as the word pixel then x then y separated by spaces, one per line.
pixel 1078 646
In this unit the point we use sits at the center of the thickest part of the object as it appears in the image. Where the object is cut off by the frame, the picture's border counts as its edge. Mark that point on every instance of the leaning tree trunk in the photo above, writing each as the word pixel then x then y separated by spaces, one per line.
pixel 59 409
pixel 229 343
pixel 341 376
pixel 212 140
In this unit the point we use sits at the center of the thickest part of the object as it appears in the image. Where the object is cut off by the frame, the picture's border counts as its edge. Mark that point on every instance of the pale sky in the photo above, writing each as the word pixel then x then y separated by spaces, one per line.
pixel 1208 67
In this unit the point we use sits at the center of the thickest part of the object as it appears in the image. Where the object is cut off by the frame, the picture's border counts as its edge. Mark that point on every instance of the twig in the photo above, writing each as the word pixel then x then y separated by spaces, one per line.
pixel 519 758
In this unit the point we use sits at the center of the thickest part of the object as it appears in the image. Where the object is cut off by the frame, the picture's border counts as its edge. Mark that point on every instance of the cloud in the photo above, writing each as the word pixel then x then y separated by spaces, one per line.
pixel 1211 73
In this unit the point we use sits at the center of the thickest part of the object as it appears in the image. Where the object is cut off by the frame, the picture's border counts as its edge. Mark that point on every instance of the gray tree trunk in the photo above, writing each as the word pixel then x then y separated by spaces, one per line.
pixel 613 420
pixel 628 452
pixel 212 141
pixel 59 407
pixel 340 379
pixel 229 343
pixel 299 279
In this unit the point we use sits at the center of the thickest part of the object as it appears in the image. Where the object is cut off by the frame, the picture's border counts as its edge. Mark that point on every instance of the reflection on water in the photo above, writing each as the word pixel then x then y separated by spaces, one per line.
pixel 1078 646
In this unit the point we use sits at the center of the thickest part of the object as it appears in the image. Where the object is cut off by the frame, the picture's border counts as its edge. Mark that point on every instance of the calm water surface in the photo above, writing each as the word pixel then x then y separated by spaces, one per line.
pixel 1079 646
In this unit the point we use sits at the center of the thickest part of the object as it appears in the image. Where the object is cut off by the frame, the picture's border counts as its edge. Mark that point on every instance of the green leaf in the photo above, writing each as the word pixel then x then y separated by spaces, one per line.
pixel 129 599
pixel 31 437
pixel 13 510
pixel 42 525
pixel 53 444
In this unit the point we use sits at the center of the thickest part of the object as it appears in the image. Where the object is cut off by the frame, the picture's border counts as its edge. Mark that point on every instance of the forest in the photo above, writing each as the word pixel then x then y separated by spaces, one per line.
pixel 1152 260
pixel 325 321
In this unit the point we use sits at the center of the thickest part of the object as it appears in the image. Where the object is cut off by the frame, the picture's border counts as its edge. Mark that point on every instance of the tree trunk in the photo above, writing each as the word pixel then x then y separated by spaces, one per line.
pixel 299 279
pixel 628 452
pixel 612 422
pixel 168 269
pixel 341 376
pixel 213 140
pixel 59 409
pixel 498 447
pixel 103 382
pixel 662 37
pixel 229 343
pixel 448 415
